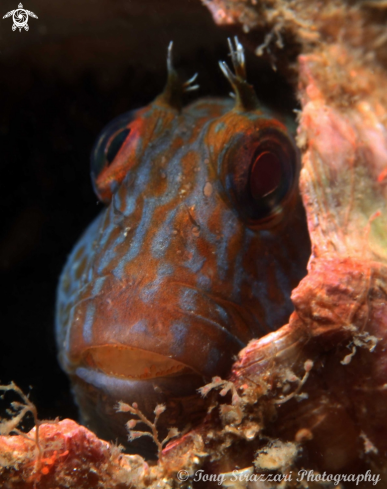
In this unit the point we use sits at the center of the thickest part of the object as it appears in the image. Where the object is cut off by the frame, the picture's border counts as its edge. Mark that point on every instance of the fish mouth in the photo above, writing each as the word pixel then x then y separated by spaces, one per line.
pixel 123 362
pixel 143 377
pixel 98 395
pixel 131 341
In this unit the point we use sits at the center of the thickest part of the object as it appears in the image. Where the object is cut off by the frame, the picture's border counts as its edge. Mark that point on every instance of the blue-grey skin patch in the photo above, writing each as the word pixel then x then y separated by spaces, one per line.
pixel 229 226
pixel 130 205
pixel 75 283
pixel 196 261
pixel 150 205
pixel 203 282
pixel 140 331
pixel 141 230
pixel 260 289
pixel 88 323
pixel 188 299
pixel 202 212
pixel 142 180
pixel 119 271
pixel 149 291
pixel 223 314
pixel 66 337
pixel 179 331
pixel 240 273
pixel 111 225
pixel 142 176
pixel 163 237
pixel 105 261
pixel 220 126
pixel 253 116
pixel 221 156
pixel 203 111
pixel 98 284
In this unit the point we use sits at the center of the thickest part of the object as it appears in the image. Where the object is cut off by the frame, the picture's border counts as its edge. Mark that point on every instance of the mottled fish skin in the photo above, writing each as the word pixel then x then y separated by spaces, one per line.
pixel 170 269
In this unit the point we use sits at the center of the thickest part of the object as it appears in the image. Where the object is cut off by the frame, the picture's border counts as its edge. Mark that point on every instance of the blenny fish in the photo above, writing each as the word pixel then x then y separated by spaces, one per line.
pixel 201 242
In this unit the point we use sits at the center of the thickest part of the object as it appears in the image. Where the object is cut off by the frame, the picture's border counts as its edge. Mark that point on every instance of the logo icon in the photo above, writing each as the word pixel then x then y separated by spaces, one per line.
pixel 20 17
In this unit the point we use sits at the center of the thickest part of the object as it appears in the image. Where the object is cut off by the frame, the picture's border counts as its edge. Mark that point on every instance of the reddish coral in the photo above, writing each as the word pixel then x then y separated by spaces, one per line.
pixel 72 456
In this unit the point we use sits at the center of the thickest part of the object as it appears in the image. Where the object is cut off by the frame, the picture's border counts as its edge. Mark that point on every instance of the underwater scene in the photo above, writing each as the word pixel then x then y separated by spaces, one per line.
pixel 193 247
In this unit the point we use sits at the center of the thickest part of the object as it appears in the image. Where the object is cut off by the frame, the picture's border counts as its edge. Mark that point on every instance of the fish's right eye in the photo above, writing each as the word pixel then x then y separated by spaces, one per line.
pixel 106 170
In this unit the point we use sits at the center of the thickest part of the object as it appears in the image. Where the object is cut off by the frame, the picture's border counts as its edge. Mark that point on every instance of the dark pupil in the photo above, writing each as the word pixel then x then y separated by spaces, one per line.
pixel 115 145
pixel 265 176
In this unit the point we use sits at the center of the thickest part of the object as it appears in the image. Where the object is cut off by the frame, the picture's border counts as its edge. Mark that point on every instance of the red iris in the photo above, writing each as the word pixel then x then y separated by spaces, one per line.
pixel 265 176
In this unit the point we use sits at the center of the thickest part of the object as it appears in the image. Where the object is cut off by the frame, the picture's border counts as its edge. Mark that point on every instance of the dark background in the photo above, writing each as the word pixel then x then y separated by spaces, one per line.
pixel 79 65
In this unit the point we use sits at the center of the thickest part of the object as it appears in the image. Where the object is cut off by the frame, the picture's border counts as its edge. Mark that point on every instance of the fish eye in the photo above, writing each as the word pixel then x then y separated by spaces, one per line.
pixel 262 171
pixel 115 144
pixel 106 148
pixel 270 179
pixel 265 175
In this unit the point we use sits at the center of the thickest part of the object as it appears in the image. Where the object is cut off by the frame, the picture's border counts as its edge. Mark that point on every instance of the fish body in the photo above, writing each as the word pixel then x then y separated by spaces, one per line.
pixel 195 254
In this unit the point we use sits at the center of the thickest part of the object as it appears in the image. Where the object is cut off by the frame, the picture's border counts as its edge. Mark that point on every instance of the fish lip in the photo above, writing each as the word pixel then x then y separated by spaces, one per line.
pixel 132 363
pixel 115 386
pixel 100 380
pixel 83 365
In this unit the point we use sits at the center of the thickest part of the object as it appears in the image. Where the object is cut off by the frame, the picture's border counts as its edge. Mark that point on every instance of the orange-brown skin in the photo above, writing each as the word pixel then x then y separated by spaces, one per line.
pixel 175 276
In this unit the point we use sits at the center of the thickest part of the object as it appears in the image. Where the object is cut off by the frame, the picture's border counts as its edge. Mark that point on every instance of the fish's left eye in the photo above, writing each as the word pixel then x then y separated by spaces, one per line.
pixel 265 175
pixel 271 177
pixel 106 148
pixel 260 174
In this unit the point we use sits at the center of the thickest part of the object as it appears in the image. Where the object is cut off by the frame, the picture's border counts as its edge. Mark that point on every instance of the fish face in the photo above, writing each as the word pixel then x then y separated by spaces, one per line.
pixel 196 253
